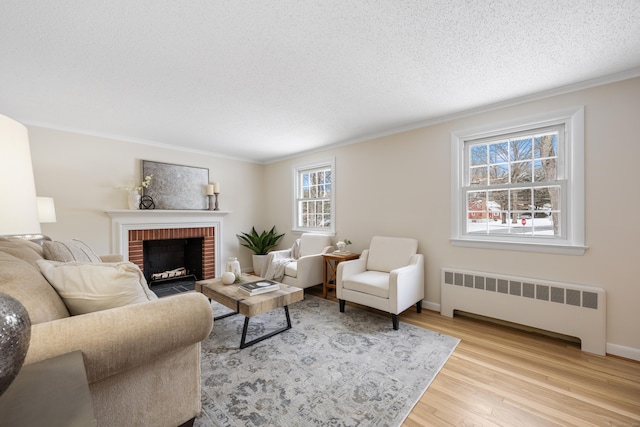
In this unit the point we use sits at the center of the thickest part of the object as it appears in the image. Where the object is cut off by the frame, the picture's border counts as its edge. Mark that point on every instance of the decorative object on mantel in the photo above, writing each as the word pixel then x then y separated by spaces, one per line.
pixel 342 246
pixel 213 190
pixel 15 334
pixel 133 198
pixel 176 187
pixel 260 244
pixel 146 202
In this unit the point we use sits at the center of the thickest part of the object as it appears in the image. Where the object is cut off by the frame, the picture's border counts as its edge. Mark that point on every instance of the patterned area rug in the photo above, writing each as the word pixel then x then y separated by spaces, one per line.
pixel 330 369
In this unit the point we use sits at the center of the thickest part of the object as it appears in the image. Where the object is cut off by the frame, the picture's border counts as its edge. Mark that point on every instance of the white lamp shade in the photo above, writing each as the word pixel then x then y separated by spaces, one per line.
pixel 18 210
pixel 46 210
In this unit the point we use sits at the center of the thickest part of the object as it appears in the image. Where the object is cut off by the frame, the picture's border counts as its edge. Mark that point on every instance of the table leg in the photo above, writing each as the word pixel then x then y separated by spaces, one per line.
pixel 325 279
pixel 245 344
pixel 331 269
pixel 233 313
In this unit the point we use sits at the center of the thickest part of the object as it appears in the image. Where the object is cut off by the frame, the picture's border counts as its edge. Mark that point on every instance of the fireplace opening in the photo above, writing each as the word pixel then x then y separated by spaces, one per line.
pixel 171 260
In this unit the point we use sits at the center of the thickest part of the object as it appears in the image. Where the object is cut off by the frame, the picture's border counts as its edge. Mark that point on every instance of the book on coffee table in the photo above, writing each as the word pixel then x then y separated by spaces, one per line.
pixel 259 287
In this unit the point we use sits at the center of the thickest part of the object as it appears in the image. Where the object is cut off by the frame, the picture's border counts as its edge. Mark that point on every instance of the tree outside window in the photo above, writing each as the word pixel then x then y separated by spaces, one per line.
pixel 520 185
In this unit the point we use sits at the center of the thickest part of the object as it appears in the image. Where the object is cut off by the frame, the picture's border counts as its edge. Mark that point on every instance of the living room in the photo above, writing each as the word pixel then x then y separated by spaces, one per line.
pixel 386 183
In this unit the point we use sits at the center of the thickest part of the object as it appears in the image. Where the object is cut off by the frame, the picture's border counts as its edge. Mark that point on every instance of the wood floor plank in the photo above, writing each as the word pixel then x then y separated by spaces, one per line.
pixel 503 376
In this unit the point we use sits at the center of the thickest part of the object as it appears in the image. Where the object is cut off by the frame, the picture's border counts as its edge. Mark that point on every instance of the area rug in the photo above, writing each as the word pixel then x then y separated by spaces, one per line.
pixel 330 369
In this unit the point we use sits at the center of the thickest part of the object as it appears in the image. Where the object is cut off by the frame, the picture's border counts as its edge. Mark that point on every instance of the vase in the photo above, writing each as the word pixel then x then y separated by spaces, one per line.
pixel 134 199
pixel 259 267
pixel 342 247
pixel 15 333
pixel 233 266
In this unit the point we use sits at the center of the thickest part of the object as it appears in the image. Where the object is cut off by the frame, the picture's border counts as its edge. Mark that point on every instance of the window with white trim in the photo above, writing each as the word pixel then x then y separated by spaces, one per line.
pixel 314 197
pixel 521 185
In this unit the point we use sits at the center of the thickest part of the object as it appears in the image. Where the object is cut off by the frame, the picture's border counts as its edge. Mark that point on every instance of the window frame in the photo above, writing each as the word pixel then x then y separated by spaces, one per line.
pixel 572 239
pixel 297 170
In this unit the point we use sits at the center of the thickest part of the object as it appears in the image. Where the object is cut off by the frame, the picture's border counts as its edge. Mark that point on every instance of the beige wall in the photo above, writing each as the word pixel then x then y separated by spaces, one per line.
pixel 396 185
pixel 82 172
pixel 400 185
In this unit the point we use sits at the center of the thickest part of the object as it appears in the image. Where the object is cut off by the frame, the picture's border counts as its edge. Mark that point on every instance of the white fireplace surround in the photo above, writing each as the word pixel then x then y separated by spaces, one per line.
pixel 123 221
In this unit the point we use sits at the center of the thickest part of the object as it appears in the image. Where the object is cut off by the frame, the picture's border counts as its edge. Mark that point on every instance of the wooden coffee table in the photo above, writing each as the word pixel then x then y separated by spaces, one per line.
pixel 249 306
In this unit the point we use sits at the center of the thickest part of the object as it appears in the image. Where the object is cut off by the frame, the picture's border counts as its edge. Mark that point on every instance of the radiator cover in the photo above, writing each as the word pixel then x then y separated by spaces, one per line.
pixel 569 309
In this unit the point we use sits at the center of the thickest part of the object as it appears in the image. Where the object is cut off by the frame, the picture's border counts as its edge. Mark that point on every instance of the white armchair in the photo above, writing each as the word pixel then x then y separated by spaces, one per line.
pixel 389 276
pixel 301 265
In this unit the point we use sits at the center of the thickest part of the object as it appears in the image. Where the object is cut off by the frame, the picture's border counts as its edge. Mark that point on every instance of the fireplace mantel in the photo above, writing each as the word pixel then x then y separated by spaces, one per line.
pixel 125 220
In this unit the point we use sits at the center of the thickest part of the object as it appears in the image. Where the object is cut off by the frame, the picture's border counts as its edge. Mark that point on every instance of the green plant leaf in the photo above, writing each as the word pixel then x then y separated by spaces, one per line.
pixel 261 243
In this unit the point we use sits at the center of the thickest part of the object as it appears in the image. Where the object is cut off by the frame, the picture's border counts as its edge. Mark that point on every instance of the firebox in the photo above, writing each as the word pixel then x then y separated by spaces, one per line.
pixel 170 259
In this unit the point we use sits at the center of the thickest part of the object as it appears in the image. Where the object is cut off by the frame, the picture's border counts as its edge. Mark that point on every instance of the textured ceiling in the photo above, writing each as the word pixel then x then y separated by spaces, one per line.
pixel 262 80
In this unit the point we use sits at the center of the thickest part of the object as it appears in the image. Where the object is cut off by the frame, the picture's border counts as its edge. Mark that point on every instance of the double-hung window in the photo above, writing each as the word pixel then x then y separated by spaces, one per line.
pixel 314 197
pixel 521 185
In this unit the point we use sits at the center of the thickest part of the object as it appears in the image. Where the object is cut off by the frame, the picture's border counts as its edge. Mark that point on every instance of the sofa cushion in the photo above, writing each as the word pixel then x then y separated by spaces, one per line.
pixel 311 244
pixel 73 250
pixel 21 278
pixel 86 287
pixel 369 282
pixel 21 248
pixel 388 253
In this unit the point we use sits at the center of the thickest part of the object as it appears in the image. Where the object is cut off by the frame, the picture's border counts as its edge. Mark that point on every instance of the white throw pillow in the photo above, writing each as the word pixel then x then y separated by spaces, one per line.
pixel 86 287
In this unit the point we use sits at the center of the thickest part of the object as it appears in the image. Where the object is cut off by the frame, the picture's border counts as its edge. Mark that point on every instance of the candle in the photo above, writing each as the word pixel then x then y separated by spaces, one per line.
pixel 216 187
pixel 210 190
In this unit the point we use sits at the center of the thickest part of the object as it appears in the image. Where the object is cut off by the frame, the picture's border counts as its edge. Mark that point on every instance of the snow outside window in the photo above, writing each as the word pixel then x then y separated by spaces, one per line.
pixel 520 185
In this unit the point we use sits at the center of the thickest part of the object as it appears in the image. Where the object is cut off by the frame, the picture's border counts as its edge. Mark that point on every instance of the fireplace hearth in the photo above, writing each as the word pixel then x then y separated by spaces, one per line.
pixel 164 289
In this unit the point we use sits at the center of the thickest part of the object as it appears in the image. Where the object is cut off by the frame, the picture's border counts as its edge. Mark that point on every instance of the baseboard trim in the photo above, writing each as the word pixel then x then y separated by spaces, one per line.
pixel 431 306
pixel 612 349
pixel 622 351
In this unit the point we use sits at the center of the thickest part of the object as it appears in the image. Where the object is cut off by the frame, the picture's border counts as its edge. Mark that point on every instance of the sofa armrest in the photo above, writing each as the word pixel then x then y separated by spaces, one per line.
pixel 274 255
pixel 406 284
pixel 349 268
pixel 122 338
pixel 309 269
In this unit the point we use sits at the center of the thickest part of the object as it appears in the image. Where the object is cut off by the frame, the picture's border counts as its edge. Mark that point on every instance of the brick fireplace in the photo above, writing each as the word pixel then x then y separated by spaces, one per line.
pixel 138 237
pixel 130 228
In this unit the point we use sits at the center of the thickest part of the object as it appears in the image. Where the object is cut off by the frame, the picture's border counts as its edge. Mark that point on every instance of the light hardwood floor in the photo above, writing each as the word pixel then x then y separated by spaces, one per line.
pixel 502 376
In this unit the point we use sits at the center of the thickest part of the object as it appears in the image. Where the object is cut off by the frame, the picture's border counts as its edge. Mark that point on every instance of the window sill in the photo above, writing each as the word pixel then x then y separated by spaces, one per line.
pixel 314 231
pixel 558 249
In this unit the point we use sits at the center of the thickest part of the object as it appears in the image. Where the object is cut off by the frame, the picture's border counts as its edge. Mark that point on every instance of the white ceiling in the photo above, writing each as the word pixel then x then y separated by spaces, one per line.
pixel 263 80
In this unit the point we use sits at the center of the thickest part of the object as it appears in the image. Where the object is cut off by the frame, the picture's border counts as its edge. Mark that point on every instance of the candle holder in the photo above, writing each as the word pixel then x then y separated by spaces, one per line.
pixel 216 203
pixel 210 196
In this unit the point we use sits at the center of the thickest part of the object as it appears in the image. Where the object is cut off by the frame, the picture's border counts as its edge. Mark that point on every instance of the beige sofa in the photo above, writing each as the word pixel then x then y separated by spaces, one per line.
pixel 142 360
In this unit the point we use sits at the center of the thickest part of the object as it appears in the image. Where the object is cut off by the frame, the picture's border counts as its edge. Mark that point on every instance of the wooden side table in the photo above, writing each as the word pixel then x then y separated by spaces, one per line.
pixel 331 261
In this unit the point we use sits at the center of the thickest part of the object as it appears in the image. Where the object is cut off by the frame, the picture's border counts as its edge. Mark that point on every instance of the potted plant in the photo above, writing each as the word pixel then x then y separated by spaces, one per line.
pixel 260 244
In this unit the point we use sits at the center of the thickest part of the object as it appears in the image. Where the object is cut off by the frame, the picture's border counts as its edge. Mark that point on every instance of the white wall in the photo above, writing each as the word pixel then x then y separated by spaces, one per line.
pixel 400 185
pixel 82 172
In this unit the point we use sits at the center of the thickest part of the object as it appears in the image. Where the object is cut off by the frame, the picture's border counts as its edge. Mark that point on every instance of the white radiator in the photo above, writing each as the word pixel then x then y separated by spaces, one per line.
pixel 569 309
